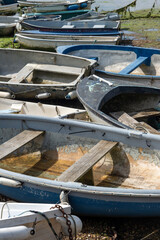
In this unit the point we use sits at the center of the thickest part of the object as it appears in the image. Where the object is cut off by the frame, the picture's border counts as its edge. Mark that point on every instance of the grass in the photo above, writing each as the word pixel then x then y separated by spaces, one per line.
pixel 137 22
pixel 7 42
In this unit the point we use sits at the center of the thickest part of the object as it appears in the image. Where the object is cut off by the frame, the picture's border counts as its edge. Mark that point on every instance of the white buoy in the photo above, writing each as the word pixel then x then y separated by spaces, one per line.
pixel 9 182
pixel 5 94
pixel 16 233
pixel 71 95
pixel 43 95
pixel 76 224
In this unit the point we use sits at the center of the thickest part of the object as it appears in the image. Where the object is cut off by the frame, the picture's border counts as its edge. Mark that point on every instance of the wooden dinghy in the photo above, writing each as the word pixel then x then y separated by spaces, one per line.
pixel 65 162
pixel 39 75
pixel 121 61
pixel 36 221
pixel 112 98
pixel 45 42
pixel 9 9
pixel 76 27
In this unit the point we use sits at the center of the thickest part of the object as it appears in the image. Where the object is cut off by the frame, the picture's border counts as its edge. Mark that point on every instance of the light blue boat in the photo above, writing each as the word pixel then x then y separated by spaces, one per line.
pixel 138 64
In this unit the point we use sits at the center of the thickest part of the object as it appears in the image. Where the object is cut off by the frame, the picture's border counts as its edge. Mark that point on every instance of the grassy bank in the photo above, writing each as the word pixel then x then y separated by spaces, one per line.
pixel 145 28
pixel 137 22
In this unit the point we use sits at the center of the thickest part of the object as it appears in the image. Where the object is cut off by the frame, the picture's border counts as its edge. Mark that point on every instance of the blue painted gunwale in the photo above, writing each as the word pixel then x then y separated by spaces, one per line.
pixel 84 199
pixel 108 33
pixel 143 56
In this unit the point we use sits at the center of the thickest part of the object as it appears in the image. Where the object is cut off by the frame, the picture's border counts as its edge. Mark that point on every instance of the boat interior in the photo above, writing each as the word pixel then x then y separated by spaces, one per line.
pixel 139 106
pixel 44 74
pixel 119 61
pixel 70 158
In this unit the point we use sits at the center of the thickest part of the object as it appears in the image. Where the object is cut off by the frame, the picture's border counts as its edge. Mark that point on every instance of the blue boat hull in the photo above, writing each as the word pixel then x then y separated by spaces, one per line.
pixel 108 33
pixel 85 199
pixel 88 204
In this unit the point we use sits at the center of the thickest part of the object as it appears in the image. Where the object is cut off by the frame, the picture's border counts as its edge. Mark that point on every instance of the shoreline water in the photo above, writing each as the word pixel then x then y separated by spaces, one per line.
pixel 112 4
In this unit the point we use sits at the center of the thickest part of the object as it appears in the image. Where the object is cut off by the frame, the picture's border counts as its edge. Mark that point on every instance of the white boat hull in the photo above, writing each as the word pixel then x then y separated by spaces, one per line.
pixel 55 41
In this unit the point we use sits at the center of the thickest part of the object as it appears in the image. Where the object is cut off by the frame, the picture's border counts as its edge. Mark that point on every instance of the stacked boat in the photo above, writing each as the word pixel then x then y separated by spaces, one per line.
pixel 88 28
pixel 79 127
pixel 103 162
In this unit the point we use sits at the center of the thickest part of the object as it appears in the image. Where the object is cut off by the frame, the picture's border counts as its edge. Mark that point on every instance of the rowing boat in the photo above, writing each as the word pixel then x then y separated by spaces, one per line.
pixel 37 221
pixel 52 164
pixel 116 98
pixel 40 75
pixel 73 27
pixel 129 62
pixel 50 42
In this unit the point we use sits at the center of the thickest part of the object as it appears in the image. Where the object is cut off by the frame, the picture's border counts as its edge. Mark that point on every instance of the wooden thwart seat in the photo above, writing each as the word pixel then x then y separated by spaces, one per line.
pixel 22 74
pixel 30 67
pixel 85 163
pixel 128 120
pixel 18 141
pixel 56 68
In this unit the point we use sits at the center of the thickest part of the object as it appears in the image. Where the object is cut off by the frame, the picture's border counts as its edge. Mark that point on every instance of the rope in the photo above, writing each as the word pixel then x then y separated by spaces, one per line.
pixel 48 221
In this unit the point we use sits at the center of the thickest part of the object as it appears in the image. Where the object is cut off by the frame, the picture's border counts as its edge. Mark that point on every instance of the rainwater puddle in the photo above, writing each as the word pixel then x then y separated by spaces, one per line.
pixel 151 30
pixel 128 32
pixel 128 37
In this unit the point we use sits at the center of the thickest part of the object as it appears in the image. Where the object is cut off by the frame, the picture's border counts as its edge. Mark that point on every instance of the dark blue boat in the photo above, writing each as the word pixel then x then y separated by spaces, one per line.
pixel 76 27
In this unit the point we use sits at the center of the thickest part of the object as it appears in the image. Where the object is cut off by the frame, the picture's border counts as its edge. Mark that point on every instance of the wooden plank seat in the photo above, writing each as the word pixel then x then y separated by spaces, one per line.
pixel 68 26
pixel 131 67
pixel 85 163
pixel 99 26
pixel 30 67
pixel 128 120
pixel 22 74
pixel 56 68
pixel 14 108
pixel 144 114
pixel 18 141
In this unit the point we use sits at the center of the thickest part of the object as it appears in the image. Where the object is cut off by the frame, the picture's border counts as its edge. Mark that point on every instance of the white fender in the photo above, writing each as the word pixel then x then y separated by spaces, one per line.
pixel 15 233
pixel 5 94
pixel 76 224
pixel 18 27
pixel 43 95
pixel 9 182
pixel 71 95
